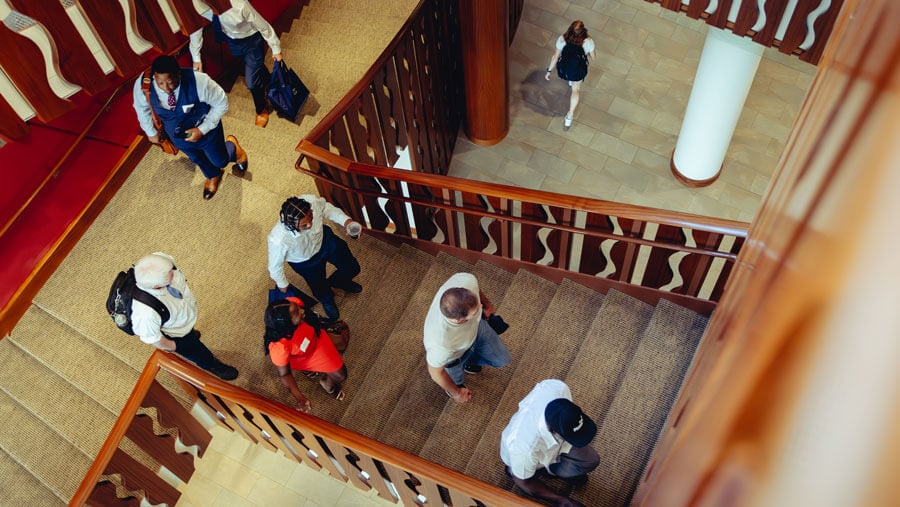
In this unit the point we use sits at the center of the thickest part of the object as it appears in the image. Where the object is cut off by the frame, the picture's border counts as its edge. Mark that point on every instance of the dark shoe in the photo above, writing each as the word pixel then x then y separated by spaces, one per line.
pixel 223 371
pixel 472 369
pixel 348 286
pixel 240 156
pixel 331 310
pixel 211 187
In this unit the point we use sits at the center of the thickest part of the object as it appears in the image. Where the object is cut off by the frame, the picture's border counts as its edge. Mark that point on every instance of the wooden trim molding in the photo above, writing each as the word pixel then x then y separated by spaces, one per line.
pixel 684 180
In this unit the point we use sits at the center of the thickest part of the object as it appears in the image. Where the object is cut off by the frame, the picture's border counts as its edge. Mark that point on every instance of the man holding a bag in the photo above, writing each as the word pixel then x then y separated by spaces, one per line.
pixel 244 30
pixel 187 107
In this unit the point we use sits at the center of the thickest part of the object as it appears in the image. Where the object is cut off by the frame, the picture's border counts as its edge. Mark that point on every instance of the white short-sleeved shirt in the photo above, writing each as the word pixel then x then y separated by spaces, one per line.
pixel 526 443
pixel 147 324
pixel 587 45
pixel 444 340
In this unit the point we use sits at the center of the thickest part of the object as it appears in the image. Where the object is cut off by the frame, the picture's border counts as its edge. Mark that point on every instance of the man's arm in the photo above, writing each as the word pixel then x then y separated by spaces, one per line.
pixel 287 378
pixel 335 214
pixel 210 92
pixel 264 28
pixel 277 258
pixel 440 377
pixel 538 489
pixel 194 47
pixel 142 109
pixel 486 306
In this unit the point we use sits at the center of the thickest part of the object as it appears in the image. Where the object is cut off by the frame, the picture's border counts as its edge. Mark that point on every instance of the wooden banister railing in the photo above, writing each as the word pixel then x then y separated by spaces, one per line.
pixel 351 150
pixel 367 464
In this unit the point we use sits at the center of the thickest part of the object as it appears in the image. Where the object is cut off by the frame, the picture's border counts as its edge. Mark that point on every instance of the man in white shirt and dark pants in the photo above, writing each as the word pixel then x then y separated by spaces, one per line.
pixel 244 30
pixel 302 239
pixel 157 275
pixel 190 106
pixel 549 434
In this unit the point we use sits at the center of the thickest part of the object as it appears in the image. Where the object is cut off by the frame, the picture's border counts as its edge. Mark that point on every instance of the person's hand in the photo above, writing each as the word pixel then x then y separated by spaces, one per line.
pixel 198 66
pixel 277 57
pixel 283 289
pixel 153 139
pixel 488 309
pixel 547 76
pixel 304 405
pixel 194 135
pixel 462 395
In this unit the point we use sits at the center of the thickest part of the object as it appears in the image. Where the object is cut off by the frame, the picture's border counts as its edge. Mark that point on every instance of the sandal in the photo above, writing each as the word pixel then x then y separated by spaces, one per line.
pixel 567 122
pixel 311 375
pixel 337 392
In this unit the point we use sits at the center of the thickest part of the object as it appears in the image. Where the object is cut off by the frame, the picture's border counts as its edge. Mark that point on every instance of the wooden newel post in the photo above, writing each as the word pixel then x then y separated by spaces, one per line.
pixel 485 47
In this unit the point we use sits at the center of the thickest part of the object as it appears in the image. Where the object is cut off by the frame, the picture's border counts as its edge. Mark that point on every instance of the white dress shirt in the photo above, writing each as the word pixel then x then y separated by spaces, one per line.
pixel 238 22
pixel 527 444
pixel 288 246
pixel 147 324
pixel 446 341
pixel 208 91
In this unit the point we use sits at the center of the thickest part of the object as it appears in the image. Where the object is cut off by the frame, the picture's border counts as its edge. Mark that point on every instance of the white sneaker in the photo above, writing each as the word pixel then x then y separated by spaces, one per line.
pixel 567 122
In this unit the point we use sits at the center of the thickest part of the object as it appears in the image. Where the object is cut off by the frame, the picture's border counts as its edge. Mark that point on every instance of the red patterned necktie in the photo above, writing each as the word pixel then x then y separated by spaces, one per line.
pixel 172 101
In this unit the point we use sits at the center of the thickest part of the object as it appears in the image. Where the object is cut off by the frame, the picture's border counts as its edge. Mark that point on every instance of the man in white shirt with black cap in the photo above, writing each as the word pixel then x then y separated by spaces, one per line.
pixel 549 434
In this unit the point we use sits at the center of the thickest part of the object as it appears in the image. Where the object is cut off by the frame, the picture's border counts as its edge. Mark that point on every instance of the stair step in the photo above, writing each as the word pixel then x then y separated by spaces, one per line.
pixel 111 380
pixel 527 297
pixel 606 352
pixel 400 356
pixel 422 402
pixel 347 19
pixel 562 327
pixel 55 462
pixel 73 414
pixel 639 409
pixel 19 487
pixel 383 304
pixel 365 9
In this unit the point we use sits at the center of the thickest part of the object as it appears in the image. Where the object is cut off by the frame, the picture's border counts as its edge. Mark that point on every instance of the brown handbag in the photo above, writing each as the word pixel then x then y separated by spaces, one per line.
pixel 166 144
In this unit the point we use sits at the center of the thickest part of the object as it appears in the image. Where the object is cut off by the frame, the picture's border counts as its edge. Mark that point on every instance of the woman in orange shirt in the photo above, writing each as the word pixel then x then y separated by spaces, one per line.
pixel 295 340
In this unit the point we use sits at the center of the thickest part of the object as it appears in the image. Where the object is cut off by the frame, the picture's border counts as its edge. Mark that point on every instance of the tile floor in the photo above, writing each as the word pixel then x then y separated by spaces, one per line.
pixel 630 112
pixel 236 473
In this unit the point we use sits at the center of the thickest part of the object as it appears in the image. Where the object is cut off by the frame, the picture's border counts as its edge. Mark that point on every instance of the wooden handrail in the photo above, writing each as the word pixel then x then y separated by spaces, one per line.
pixel 200 379
pixel 629 211
pixel 148 375
pixel 341 107
pixel 65 156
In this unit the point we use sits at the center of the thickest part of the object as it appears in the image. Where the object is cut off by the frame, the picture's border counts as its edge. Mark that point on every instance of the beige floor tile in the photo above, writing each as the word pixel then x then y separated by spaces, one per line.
pixel 613 147
pixel 658 142
pixel 582 156
pixel 638 56
pixel 625 31
pixel 741 199
pixel 588 183
pixel 230 499
pixel 516 151
pixel 520 173
pixel 552 166
pixel 579 133
pixel 269 464
pixel 474 156
pixel 627 176
pixel 666 47
pixel 600 120
pixel 687 35
pixel 230 474
pixel 666 123
pixel 615 65
pixel 534 33
pixel 268 492
pixel 631 111
pixel 738 175
pixel 706 206
pixel 536 137
pixel 199 491
pixel 651 162
pixel 675 69
pixel 655 24
pixel 760 184
pixel 317 487
pixel 593 20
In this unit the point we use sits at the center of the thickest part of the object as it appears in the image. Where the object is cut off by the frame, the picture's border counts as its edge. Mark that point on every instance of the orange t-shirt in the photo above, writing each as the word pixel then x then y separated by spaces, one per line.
pixel 306 352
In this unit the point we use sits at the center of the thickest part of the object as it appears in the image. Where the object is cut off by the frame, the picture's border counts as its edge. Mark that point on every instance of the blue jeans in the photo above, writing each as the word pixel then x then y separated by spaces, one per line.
pixel 335 251
pixel 488 350
pixel 578 461
pixel 256 75
pixel 211 153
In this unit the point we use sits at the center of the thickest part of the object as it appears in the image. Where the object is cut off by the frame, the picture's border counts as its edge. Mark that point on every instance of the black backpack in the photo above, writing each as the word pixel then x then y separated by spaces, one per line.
pixel 123 291
pixel 573 64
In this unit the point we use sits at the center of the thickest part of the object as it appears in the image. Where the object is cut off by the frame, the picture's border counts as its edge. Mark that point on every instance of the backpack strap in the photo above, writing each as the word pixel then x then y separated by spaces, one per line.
pixel 152 301
pixel 145 87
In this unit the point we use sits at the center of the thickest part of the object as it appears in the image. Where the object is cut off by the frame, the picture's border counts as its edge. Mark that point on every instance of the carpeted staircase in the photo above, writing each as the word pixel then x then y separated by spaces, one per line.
pixel 67 371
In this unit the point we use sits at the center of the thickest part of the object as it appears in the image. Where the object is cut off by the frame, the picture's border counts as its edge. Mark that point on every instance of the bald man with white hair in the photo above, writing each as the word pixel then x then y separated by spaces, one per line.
pixel 157 275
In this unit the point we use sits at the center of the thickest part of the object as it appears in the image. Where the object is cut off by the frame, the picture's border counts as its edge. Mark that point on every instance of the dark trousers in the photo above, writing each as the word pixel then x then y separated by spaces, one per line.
pixel 191 348
pixel 253 50
pixel 335 251
pixel 211 153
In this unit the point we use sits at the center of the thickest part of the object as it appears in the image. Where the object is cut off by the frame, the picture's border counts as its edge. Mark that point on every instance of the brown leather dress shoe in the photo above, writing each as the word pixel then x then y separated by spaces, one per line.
pixel 240 156
pixel 211 187
pixel 262 119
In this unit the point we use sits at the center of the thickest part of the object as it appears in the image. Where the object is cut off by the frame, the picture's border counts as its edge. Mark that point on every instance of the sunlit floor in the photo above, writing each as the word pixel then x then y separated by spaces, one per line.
pixel 630 112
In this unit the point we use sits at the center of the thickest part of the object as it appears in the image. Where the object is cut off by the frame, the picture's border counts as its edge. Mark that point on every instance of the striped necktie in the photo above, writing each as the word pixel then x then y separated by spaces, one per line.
pixel 172 101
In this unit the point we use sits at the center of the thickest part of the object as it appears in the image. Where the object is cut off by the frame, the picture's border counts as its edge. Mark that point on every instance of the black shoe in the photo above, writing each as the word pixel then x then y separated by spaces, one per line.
pixel 223 371
pixel 348 286
pixel 472 369
pixel 331 310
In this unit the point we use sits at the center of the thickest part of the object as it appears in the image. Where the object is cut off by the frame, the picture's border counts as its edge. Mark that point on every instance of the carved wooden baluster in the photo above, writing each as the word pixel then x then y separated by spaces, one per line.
pixel 136 476
pixel 266 433
pixel 376 478
pixel 76 63
pixel 217 404
pixel 250 426
pixel 408 95
pixel 696 8
pixel 11 126
pixel 343 457
pixel 188 17
pixel 172 414
pixel 219 6
pixel 25 68
pixel 404 484
pixel 774 12
pixel 109 24
pixel 206 406
pixel 160 447
pixel 287 441
pixel 394 67
pixel 304 439
pixel 153 26
pixel 374 135
pixel 384 102
pixel 461 499
pixel 359 137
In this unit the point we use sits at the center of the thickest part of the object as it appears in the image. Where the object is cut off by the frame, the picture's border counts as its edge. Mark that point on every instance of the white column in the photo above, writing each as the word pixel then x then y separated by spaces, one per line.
pixel 724 75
